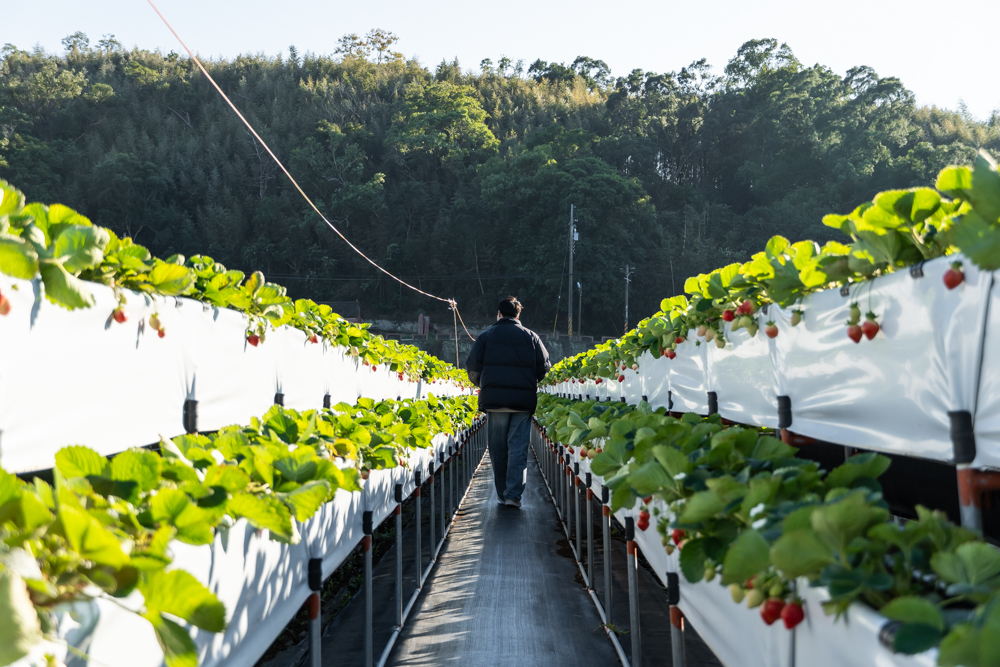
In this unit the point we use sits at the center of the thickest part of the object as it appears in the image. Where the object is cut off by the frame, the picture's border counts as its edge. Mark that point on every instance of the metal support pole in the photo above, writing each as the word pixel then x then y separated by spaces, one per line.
pixel 366 546
pixel 568 474
pixel 633 592
pixel 452 500
pixel 433 512
pixel 419 523
pixel 606 520
pixel 576 509
pixel 315 619
pixel 676 619
pixel 399 555
pixel 590 533
pixel 444 501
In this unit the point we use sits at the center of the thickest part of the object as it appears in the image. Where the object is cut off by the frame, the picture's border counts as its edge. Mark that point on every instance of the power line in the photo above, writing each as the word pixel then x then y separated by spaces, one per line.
pixel 281 166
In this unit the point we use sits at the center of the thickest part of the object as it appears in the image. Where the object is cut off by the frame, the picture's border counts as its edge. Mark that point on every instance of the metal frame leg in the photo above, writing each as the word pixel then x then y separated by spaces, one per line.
pixel 576 510
pixel 633 592
pixel 315 619
pixel 606 527
pixel 399 555
pixel 366 546
pixel 433 512
pixel 419 523
pixel 590 534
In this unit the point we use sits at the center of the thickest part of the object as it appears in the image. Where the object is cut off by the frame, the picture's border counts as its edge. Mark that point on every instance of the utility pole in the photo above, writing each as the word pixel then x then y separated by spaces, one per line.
pixel 569 299
pixel 554 324
pixel 579 309
pixel 628 276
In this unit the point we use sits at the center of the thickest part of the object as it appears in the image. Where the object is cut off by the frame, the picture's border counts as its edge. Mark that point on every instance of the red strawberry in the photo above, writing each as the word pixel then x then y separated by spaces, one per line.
pixel 314 338
pixel 679 340
pixel 728 315
pixel 253 339
pixel 771 330
pixel 792 614
pixel 375 368
pixel 642 525
pixel 746 307
pixel 4 305
pixel 870 327
pixel 771 610
pixel 854 332
pixel 599 450
pixel 162 332
pixel 400 375
pixel 677 535
pixel 647 499
pixel 119 315
pixel 670 354
pixel 621 378
pixel 599 381
pixel 954 277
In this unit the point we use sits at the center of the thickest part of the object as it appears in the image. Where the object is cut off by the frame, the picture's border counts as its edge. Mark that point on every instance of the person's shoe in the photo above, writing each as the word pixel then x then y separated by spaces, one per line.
pixel 513 503
pixel 501 500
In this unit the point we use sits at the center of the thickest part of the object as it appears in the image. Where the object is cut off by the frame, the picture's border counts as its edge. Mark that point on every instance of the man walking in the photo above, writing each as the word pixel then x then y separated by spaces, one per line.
pixel 506 362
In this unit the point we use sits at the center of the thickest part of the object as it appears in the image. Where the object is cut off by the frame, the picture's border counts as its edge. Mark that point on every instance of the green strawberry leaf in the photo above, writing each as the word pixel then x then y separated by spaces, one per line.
pixel 748 554
pixel 177 592
pixel 79 461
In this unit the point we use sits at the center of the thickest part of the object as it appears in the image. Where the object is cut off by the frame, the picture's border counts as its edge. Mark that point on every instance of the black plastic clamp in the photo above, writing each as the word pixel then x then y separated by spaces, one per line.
pixel 887 634
pixel 589 480
pixel 326 400
pixel 190 416
pixel 713 403
pixel 605 495
pixel 673 589
pixel 645 398
pixel 629 529
pixel 399 493
pixel 315 574
pixel 576 468
pixel 784 411
pixel 670 401
pixel 917 270
pixel 416 477
pixel 366 522
pixel 963 437
pixel 279 399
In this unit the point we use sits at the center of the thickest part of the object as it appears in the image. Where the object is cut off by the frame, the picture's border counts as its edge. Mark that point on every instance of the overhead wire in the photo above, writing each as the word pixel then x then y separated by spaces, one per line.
pixel 450 302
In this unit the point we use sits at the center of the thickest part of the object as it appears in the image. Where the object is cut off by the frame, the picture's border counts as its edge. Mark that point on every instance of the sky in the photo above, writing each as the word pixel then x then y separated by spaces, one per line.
pixel 945 53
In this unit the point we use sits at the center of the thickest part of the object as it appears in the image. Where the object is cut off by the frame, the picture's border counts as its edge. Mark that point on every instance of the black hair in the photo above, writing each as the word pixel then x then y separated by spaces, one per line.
pixel 510 307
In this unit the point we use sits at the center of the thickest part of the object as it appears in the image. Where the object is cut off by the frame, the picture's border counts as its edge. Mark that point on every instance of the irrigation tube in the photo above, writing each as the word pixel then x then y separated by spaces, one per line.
pixel 425 577
pixel 590 589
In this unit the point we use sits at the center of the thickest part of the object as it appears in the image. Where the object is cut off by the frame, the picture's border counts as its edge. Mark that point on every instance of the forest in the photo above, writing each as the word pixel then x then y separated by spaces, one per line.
pixel 459 180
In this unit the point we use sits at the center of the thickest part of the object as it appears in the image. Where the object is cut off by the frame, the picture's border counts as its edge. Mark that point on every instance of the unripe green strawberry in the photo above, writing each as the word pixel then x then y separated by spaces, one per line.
pixel 709 573
pixel 796 317
pixel 737 593
pixel 746 321
pixel 720 342
pixel 855 313
pixel 754 598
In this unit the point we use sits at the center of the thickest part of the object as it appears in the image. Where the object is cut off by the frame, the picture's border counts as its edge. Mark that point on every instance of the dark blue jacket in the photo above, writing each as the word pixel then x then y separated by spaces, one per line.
pixel 506 362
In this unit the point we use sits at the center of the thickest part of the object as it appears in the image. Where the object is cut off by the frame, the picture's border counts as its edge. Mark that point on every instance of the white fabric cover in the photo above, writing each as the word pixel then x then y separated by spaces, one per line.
pixel 689 377
pixel 80 378
pixel 742 376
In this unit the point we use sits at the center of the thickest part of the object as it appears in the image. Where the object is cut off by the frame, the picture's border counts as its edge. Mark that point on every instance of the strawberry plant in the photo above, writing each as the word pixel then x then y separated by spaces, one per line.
pixel 104 526
pixel 743 505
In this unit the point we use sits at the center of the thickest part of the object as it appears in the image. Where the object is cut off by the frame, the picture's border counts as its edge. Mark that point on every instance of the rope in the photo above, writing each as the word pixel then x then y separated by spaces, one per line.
pixel 463 323
pixel 329 224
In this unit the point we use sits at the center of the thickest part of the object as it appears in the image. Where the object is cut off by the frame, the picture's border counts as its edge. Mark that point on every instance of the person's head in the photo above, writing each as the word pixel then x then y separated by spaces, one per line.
pixel 509 307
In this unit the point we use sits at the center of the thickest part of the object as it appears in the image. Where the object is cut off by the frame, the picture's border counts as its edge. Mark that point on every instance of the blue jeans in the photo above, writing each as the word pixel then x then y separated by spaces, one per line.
pixel 508 442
